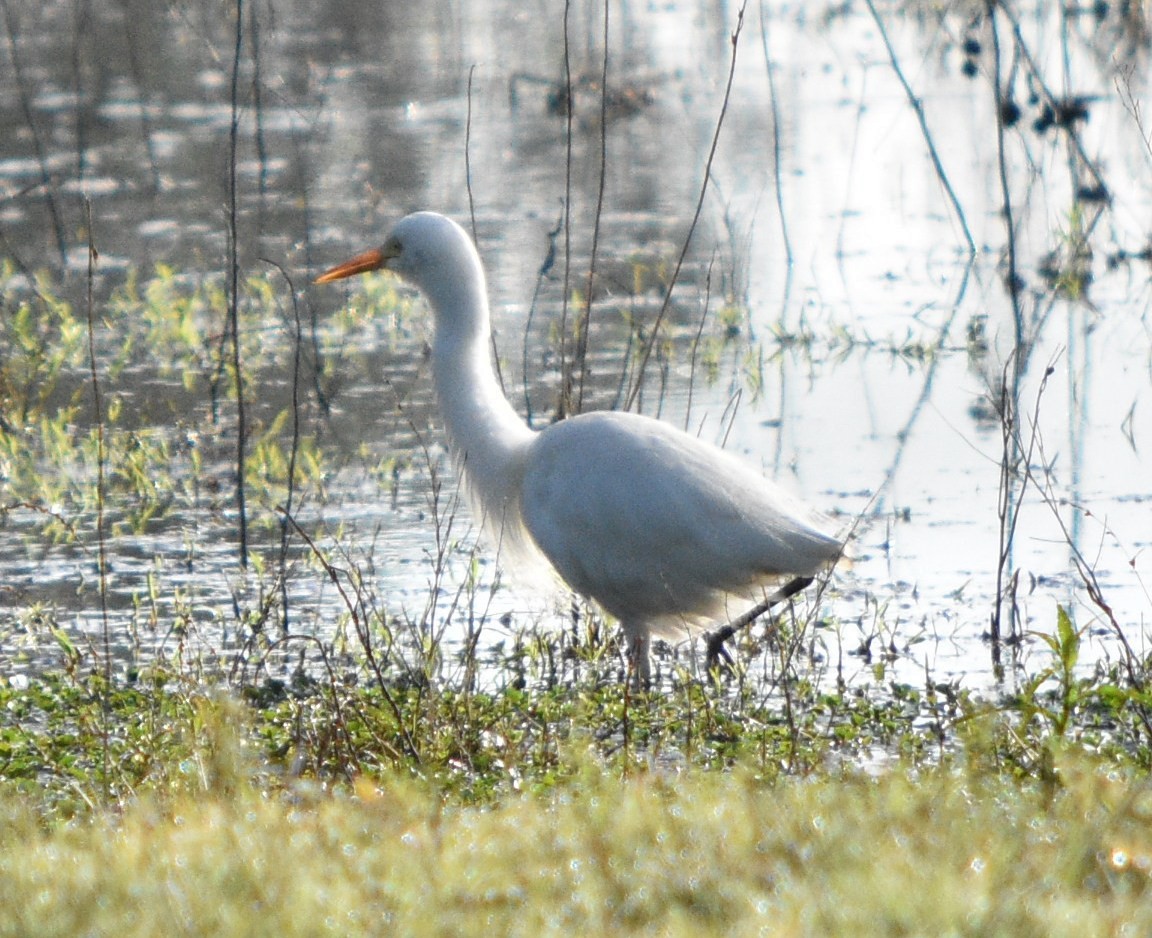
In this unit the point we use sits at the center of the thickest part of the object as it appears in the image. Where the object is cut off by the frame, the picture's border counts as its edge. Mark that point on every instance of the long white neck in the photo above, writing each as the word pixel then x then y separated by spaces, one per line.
pixel 488 439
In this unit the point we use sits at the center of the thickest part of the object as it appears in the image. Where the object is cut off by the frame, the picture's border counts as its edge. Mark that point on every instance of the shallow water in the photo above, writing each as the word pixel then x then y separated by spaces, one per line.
pixel 860 376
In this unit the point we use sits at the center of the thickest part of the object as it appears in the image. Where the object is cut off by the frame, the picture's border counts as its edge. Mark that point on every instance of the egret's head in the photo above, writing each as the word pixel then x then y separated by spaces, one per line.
pixel 432 253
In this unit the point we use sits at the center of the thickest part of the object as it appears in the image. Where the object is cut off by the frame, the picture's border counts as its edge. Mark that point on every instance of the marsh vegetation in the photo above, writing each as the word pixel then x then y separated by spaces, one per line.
pixel 256 671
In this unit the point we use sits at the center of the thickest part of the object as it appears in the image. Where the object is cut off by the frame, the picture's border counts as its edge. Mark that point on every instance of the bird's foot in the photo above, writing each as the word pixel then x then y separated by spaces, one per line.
pixel 715 640
pixel 718 659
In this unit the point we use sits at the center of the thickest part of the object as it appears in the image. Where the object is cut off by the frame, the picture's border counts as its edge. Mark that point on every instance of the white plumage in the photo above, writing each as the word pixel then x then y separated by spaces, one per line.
pixel 658 527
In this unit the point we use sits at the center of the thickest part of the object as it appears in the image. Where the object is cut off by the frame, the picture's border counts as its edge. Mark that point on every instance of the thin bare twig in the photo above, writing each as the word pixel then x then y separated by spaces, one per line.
pixel 585 323
pixel 258 104
pixel 1012 277
pixel 653 337
pixel 1131 104
pixel 472 211
pixel 101 544
pixel 289 498
pixel 137 72
pixel 696 339
pixel 234 288
pixel 776 150
pixel 38 144
pixel 562 403
pixel 468 155
pixel 541 275
pixel 1014 455
pixel 362 632
pixel 80 27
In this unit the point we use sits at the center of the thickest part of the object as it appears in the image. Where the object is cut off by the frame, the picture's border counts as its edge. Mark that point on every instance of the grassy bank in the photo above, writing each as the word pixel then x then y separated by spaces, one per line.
pixel 955 850
pixel 581 810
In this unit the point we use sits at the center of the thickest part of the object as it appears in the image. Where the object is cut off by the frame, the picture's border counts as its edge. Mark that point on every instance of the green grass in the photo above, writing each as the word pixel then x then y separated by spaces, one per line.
pixel 312 808
pixel 935 851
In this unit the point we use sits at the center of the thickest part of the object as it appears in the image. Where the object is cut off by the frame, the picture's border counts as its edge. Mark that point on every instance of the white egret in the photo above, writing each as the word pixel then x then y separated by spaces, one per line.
pixel 659 528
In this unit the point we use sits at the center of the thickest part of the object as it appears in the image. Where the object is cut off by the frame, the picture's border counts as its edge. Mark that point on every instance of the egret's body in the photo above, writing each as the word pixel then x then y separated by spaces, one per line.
pixel 658 527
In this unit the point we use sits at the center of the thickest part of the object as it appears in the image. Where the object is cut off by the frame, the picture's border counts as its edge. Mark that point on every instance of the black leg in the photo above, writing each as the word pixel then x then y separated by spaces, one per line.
pixel 715 640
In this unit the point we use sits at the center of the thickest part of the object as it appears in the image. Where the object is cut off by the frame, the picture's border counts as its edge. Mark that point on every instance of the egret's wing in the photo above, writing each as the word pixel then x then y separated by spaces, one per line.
pixel 652 522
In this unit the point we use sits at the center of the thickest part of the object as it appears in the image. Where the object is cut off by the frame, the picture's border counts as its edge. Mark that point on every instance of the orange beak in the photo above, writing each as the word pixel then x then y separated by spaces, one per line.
pixel 360 264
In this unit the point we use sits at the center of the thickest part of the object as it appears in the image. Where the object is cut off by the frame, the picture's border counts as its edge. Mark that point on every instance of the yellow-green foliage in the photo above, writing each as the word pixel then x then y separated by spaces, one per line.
pixel 41 340
pixel 168 320
pixel 169 326
pixel 663 852
pixel 375 303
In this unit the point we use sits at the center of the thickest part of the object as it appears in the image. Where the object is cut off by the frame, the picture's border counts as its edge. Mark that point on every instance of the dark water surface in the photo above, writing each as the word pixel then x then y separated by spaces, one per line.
pixel 857 366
